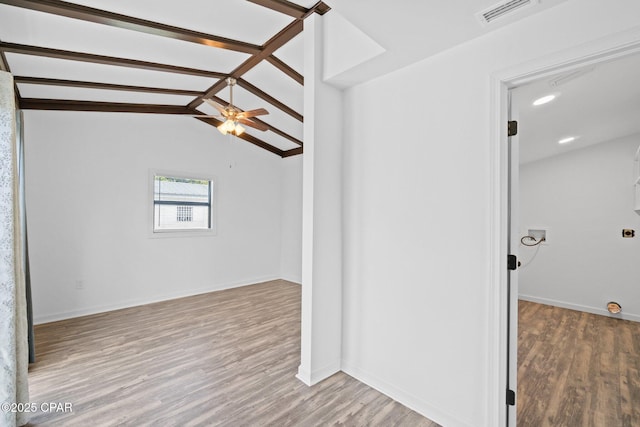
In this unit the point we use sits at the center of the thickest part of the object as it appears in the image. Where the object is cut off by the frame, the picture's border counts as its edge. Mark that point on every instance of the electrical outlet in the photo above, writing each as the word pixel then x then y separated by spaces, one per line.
pixel 628 233
pixel 79 284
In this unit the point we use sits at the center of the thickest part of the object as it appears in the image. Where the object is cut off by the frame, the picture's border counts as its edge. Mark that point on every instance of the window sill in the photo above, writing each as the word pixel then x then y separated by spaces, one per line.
pixel 181 233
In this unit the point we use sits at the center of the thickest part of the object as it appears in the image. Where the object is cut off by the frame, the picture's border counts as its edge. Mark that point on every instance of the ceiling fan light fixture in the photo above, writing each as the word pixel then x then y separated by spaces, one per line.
pixel 224 128
pixel 232 127
pixel 239 130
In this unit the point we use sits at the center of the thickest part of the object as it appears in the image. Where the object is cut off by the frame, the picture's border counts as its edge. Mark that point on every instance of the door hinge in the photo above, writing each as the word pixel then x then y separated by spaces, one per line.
pixel 511 397
pixel 512 262
pixel 512 128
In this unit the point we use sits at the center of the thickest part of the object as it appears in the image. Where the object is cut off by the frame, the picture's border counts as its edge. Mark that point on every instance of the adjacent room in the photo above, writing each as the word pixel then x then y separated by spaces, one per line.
pixel 578 212
pixel 272 212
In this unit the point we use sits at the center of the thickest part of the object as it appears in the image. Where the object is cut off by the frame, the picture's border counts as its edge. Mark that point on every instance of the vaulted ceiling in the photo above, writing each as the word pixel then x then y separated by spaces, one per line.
pixel 162 57
pixel 166 57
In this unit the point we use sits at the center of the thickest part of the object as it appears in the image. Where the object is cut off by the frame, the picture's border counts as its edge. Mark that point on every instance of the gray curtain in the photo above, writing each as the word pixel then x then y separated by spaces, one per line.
pixel 14 354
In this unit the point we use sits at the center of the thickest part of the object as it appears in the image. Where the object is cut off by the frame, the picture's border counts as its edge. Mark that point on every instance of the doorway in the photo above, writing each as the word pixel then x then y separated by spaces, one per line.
pixel 551 155
pixel 577 140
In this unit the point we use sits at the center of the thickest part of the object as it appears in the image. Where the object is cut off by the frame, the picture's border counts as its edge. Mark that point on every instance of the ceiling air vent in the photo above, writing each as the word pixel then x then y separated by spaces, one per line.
pixel 502 9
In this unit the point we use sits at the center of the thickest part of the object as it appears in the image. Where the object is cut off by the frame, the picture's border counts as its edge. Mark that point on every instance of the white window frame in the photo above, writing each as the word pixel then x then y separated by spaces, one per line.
pixel 199 232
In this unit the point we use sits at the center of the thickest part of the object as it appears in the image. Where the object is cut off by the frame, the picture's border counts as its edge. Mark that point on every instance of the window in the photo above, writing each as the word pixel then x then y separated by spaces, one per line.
pixel 182 204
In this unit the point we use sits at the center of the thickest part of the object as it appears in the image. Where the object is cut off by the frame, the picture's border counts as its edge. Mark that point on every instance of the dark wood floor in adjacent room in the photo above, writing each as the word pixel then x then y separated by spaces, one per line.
pixel 224 358
pixel 577 369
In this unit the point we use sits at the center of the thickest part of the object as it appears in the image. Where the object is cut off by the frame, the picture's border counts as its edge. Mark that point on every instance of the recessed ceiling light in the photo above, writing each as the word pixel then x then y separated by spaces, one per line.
pixel 544 100
pixel 567 140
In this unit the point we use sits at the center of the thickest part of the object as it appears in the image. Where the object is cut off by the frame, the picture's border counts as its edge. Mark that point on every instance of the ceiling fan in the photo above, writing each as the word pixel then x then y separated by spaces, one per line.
pixel 232 116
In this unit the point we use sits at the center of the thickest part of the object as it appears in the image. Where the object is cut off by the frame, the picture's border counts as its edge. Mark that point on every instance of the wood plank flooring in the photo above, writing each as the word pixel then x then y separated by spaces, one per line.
pixel 577 369
pixel 224 358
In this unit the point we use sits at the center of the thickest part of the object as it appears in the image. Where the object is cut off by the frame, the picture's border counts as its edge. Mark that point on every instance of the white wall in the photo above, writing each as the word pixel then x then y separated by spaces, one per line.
pixel 417 214
pixel 585 198
pixel 321 320
pixel 88 195
pixel 291 258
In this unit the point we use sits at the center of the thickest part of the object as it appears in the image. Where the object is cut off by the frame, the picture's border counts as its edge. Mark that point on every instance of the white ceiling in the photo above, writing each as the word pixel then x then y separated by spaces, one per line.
pixel 411 30
pixel 598 104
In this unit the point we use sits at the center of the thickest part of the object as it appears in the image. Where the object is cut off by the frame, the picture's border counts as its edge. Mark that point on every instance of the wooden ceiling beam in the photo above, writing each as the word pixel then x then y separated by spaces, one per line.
pixel 65 105
pixel 282 66
pixel 105 86
pixel 245 136
pixel 260 143
pixel 279 132
pixel 292 152
pixel 321 8
pixel 270 99
pixel 274 43
pixel 4 65
pixel 283 6
pixel 105 60
pixel 103 107
pixel 85 13
pixel 292 9
pixel 209 94
pixel 114 107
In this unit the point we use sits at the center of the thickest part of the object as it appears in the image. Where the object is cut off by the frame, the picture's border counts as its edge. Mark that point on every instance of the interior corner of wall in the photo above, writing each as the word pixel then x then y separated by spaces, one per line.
pixel 345 45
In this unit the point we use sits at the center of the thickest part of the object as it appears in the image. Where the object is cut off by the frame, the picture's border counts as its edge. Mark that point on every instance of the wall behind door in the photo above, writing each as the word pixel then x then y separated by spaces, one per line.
pixel 585 197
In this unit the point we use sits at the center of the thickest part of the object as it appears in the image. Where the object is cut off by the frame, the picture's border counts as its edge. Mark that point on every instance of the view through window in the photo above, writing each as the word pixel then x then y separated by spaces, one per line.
pixel 181 203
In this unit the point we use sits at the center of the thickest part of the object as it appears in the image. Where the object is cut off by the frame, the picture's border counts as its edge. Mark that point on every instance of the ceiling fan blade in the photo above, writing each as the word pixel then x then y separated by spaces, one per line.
pixel 255 125
pixel 217 106
pixel 252 113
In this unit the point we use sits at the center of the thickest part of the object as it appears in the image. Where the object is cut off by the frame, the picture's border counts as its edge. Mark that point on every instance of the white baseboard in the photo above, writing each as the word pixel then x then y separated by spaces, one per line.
pixel 86 311
pixel 587 309
pixel 304 376
pixel 292 279
pixel 311 378
pixel 407 399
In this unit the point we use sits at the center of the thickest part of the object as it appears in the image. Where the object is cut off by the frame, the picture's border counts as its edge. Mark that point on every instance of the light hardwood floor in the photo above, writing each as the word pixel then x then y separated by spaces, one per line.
pixel 224 358
pixel 577 369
